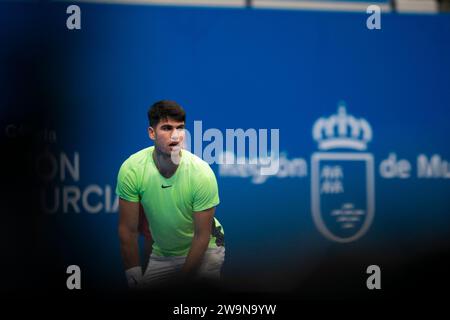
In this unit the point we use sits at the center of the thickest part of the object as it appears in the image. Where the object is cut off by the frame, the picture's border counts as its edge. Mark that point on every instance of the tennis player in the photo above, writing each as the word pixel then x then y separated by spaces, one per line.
pixel 178 192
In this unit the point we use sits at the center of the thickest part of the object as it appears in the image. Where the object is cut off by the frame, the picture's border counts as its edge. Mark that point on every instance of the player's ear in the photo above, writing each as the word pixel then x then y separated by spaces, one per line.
pixel 151 133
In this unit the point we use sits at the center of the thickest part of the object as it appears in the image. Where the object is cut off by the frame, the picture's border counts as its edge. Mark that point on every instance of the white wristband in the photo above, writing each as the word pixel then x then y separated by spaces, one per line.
pixel 134 276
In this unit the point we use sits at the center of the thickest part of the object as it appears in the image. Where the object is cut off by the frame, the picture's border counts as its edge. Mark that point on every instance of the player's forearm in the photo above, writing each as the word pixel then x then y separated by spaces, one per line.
pixel 195 256
pixel 129 248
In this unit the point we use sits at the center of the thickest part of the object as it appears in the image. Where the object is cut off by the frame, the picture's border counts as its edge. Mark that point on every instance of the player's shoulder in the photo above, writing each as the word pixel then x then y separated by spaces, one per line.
pixel 196 163
pixel 194 160
pixel 138 159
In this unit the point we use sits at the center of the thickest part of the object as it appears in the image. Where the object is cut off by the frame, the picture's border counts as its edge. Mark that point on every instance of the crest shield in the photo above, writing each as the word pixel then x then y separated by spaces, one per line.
pixel 342 194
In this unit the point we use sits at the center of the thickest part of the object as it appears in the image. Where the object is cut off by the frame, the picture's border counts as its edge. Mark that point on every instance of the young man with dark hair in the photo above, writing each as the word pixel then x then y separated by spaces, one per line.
pixel 178 193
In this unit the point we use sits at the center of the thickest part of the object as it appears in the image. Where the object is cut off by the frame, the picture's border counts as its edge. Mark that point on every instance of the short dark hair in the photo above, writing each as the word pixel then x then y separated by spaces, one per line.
pixel 164 109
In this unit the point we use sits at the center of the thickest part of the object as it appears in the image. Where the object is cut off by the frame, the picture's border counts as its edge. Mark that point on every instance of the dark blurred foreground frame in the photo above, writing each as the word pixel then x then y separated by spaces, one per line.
pixel 32 271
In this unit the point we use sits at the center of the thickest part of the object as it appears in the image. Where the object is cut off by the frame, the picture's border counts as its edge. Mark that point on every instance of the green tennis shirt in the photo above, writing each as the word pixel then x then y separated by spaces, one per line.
pixel 169 203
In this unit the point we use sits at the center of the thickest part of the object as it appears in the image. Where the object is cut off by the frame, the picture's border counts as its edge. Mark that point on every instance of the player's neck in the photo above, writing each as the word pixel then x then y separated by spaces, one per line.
pixel 164 163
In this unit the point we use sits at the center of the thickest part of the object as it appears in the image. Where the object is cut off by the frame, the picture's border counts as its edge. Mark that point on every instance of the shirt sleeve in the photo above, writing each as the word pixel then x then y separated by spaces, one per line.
pixel 206 194
pixel 127 188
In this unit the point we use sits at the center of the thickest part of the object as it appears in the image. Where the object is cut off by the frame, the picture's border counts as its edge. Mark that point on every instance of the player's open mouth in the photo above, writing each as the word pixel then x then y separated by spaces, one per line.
pixel 173 144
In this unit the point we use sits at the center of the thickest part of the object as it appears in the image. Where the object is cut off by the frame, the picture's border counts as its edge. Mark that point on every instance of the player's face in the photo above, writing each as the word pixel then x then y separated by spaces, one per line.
pixel 168 136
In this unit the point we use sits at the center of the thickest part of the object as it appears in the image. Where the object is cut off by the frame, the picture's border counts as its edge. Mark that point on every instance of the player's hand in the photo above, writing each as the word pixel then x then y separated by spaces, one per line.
pixel 134 277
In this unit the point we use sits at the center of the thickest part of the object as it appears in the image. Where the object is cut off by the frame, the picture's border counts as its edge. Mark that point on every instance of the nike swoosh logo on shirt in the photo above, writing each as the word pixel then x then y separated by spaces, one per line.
pixel 163 186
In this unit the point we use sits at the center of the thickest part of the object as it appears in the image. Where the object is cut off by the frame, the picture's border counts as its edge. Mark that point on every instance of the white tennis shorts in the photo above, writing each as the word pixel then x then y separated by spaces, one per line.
pixel 161 269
